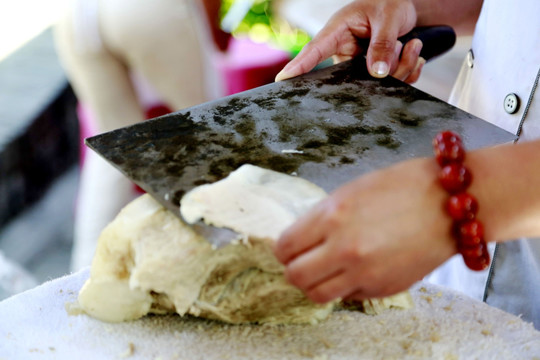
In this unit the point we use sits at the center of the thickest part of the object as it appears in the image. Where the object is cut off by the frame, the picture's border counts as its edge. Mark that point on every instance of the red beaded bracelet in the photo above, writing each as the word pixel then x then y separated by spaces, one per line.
pixel 462 207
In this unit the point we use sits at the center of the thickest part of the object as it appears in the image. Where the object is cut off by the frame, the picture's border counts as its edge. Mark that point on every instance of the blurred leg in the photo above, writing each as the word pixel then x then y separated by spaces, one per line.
pixel 100 77
pixel 101 83
pixel 101 47
pixel 158 40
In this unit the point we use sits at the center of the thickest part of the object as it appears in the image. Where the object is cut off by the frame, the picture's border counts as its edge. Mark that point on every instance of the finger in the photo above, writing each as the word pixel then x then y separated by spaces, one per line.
pixel 339 286
pixel 336 59
pixel 397 52
pixel 312 267
pixel 303 235
pixel 409 59
pixel 323 46
pixel 357 295
pixel 380 53
pixel 306 60
pixel 415 75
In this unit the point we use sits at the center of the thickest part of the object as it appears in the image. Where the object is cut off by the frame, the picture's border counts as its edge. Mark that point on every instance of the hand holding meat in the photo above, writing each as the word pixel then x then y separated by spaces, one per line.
pixel 366 239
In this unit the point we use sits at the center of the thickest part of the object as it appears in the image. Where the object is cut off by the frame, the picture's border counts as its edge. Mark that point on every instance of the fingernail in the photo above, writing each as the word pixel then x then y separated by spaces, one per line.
pixel 380 69
pixel 420 63
pixel 418 46
pixel 282 75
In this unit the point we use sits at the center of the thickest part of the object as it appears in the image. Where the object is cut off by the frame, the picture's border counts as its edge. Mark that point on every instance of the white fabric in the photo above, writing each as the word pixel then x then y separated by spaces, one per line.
pixel 13 277
pixel 454 274
pixel 443 324
pixel 506 60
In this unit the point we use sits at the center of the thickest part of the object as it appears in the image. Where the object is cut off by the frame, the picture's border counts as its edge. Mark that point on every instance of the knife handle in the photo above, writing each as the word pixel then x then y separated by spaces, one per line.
pixel 436 39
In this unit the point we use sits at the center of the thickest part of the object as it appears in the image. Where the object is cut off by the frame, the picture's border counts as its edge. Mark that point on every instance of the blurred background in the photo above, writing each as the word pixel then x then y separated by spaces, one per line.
pixel 44 115
pixel 38 148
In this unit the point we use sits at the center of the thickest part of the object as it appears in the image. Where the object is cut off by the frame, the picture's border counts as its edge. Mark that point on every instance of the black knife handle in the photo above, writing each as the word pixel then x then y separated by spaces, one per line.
pixel 436 39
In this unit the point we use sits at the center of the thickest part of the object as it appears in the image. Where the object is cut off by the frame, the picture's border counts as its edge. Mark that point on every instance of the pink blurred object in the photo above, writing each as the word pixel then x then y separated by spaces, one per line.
pixel 247 65
pixel 87 128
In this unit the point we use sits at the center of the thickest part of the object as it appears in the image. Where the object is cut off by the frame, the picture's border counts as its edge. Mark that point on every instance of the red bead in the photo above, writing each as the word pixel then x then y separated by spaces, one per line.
pixel 449 152
pixel 462 206
pixel 447 137
pixel 476 258
pixel 471 251
pixel 477 264
pixel 469 233
pixel 157 110
pixel 455 178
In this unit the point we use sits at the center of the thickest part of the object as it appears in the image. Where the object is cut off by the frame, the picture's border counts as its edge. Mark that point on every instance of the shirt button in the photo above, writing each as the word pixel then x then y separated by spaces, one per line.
pixel 470 58
pixel 511 103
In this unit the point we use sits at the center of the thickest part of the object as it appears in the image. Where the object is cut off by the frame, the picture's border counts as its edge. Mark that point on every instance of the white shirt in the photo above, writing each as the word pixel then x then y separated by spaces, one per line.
pixel 504 59
pixel 506 55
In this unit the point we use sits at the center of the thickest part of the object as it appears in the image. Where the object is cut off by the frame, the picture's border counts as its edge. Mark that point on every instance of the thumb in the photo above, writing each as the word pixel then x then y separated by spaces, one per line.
pixel 381 52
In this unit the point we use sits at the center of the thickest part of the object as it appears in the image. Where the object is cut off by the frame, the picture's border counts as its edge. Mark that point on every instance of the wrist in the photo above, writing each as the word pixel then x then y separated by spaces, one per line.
pixel 506 185
pixel 460 15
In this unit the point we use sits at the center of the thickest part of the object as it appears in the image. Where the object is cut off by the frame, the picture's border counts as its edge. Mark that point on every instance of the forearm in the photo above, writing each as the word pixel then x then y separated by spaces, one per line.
pixel 507 185
pixel 460 14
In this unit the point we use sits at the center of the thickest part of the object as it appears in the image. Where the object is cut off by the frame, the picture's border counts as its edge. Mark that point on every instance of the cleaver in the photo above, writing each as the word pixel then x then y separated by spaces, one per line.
pixel 328 126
